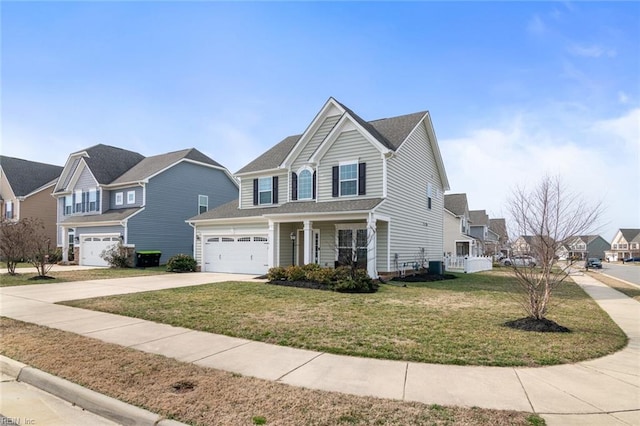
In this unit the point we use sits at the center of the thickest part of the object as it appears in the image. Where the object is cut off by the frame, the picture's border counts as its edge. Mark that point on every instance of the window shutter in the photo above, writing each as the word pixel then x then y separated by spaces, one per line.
pixel 294 186
pixel 98 200
pixel 313 189
pixel 274 187
pixel 255 192
pixel 362 178
pixel 335 181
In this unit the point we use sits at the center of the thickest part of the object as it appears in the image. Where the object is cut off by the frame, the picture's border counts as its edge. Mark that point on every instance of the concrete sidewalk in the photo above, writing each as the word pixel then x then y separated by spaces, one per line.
pixel 604 391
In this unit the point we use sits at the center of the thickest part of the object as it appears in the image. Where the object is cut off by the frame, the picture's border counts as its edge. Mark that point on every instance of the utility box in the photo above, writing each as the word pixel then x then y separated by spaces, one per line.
pixel 435 267
pixel 148 258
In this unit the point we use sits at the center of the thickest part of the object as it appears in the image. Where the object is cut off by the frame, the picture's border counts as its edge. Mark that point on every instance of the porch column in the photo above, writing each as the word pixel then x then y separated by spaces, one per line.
pixel 372 240
pixel 65 244
pixel 308 241
pixel 271 246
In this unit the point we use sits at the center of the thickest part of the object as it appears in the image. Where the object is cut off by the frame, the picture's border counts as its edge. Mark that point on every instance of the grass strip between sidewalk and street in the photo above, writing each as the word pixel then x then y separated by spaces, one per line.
pixel 204 396
pixel 616 284
pixel 459 321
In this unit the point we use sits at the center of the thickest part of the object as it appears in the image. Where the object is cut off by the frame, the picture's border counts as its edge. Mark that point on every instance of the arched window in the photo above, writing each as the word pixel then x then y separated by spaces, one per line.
pixel 305 185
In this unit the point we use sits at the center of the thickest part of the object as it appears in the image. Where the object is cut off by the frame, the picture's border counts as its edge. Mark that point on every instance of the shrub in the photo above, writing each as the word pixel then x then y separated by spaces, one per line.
pixel 116 256
pixel 277 273
pixel 55 256
pixel 321 275
pixel 181 263
pixel 295 273
pixel 353 281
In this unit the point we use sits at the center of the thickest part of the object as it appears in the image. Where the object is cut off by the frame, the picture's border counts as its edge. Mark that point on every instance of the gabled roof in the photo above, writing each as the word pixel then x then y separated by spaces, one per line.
pixel 390 132
pixel 499 226
pixel 631 234
pixel 478 218
pixel 231 210
pixel 149 166
pixel 26 176
pixel 107 163
pixel 456 203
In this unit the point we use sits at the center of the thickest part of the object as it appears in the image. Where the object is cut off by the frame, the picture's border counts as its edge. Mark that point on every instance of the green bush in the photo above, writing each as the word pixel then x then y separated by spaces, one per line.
pixel 181 263
pixel 349 280
pixel 295 273
pixel 55 256
pixel 277 273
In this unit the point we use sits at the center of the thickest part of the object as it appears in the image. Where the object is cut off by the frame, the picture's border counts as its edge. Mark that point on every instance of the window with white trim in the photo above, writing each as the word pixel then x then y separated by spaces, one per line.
pixel 68 205
pixel 131 197
pixel 8 210
pixel 265 190
pixel 78 201
pixel 348 179
pixel 119 198
pixel 93 200
pixel 203 203
pixel 351 241
pixel 305 183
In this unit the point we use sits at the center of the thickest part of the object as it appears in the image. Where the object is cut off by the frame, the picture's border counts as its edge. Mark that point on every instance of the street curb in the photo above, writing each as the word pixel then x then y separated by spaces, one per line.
pixel 97 403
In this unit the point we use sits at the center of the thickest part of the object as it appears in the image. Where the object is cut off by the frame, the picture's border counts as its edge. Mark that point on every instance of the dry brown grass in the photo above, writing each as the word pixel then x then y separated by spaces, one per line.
pixel 621 286
pixel 217 397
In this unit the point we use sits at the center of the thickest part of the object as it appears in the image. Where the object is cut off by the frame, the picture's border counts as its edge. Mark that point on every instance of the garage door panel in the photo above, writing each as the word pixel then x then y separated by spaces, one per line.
pixel 242 254
pixel 91 247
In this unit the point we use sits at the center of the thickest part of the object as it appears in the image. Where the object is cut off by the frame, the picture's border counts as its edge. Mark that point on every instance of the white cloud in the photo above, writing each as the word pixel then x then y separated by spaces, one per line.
pixel 489 163
pixel 536 25
pixel 623 98
pixel 592 51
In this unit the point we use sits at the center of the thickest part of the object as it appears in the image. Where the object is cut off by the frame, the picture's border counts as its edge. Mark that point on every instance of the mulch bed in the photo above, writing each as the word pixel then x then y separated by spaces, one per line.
pixel 541 325
pixel 301 284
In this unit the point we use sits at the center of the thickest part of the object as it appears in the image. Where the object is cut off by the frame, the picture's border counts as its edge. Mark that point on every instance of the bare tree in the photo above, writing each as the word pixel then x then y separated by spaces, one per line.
pixel 37 245
pixel 551 216
pixel 12 243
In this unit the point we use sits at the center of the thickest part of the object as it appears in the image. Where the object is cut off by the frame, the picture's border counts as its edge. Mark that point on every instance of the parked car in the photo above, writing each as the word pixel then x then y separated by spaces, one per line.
pixel 593 262
pixel 519 261
pixel 631 259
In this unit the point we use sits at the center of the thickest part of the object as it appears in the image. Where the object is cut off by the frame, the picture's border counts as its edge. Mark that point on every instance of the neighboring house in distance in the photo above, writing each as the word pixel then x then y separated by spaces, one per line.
pixel 585 246
pixel 523 246
pixel 479 229
pixel 625 244
pixel 107 195
pixel 25 191
pixel 499 227
pixel 457 241
pixel 343 186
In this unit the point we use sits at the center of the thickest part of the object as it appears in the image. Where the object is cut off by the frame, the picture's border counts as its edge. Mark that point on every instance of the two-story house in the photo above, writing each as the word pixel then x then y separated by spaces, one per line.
pixel 457 227
pixel 25 192
pixel 108 195
pixel 625 244
pixel 488 240
pixel 585 246
pixel 499 227
pixel 344 186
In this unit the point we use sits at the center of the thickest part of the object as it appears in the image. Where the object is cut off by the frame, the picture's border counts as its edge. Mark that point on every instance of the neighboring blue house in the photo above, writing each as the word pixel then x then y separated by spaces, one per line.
pixel 107 194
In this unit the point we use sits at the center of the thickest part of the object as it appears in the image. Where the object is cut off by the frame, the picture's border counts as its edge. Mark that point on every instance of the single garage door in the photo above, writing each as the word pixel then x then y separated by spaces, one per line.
pixel 91 247
pixel 245 254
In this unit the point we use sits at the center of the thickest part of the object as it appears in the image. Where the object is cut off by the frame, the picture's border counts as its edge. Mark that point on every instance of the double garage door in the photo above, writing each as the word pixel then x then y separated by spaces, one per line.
pixel 91 247
pixel 246 254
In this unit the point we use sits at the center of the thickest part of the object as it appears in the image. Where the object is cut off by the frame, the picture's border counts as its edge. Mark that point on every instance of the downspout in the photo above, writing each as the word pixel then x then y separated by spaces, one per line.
pixel 195 241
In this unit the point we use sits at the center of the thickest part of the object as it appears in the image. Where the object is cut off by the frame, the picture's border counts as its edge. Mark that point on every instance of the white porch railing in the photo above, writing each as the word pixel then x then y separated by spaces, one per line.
pixel 468 264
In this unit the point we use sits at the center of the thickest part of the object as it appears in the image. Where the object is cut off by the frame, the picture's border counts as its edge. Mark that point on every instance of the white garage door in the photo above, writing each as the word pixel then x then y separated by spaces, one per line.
pixel 91 247
pixel 245 254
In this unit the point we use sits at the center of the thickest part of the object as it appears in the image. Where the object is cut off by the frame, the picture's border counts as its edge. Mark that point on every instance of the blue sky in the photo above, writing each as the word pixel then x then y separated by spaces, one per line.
pixel 516 90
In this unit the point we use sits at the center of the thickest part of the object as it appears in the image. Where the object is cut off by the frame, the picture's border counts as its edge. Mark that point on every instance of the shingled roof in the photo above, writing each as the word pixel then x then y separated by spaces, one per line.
pixel 231 210
pixel 456 203
pixel 26 176
pixel 478 217
pixel 107 163
pixel 390 132
pixel 151 165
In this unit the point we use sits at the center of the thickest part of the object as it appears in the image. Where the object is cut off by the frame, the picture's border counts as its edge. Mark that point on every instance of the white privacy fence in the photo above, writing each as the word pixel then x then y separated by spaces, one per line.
pixel 468 264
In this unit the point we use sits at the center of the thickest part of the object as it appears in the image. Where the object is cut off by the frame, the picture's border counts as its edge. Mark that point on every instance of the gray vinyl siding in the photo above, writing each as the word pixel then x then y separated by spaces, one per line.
pixel 382 229
pixel 314 142
pixel 138 201
pixel 71 171
pixel 172 198
pixel 246 189
pixel 85 181
pixel 412 225
pixel 350 145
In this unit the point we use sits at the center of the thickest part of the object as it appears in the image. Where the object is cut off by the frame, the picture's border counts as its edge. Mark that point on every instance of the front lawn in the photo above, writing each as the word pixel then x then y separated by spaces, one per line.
pixel 456 321
pixel 22 278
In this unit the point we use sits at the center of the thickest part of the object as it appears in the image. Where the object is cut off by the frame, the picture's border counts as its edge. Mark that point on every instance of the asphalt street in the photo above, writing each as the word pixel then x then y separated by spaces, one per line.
pixel 626 272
